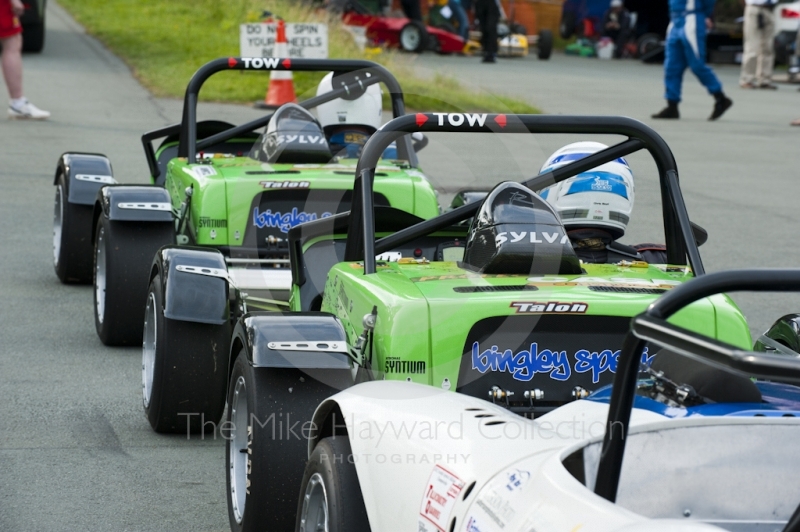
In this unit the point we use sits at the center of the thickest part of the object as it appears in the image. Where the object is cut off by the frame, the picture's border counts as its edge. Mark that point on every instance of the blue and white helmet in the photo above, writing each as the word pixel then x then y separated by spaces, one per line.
pixel 600 198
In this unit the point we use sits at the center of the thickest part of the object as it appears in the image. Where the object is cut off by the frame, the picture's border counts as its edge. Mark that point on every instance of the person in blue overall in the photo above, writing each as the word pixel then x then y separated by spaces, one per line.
pixel 686 47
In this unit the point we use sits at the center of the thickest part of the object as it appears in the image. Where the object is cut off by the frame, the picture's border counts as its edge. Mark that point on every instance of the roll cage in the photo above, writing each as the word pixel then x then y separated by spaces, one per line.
pixel 678 230
pixel 187 131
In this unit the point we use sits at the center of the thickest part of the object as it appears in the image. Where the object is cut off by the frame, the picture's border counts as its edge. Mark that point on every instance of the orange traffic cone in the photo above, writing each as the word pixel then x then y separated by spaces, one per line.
pixel 281 84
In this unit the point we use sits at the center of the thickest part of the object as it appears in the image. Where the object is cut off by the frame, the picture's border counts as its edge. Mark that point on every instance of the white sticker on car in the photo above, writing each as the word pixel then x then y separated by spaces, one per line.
pixel 441 492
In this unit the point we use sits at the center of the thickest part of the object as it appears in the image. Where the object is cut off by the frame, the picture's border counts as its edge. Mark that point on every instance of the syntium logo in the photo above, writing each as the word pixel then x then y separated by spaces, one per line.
pixel 205 221
pixel 395 365
pixel 551 307
pixel 284 221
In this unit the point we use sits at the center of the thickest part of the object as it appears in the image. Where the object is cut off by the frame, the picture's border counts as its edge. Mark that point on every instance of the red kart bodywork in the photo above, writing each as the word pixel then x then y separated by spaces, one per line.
pixel 385 31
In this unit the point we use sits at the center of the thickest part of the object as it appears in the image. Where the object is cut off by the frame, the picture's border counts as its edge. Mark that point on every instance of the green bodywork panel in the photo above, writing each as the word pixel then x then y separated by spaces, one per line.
pixel 224 188
pixel 422 317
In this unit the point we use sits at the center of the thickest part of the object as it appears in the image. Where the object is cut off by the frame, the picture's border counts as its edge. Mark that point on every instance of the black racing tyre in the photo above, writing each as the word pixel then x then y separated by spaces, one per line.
pixel 330 496
pixel 33 37
pixel 184 369
pixel 267 446
pixel 567 26
pixel 518 29
pixel 72 237
pixel 544 47
pixel 414 37
pixel 647 43
pixel 123 254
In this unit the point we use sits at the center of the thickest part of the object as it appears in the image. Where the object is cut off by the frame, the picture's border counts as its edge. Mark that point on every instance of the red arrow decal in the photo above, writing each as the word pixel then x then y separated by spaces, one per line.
pixel 501 120
pixel 421 119
pixel 232 62
pixel 287 63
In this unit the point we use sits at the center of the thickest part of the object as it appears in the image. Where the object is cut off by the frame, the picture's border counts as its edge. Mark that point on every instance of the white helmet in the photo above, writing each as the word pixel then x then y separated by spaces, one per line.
pixel 601 198
pixel 365 109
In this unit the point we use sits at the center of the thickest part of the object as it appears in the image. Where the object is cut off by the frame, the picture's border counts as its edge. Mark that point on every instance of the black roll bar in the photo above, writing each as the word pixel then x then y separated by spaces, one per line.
pixel 677 227
pixel 188 144
pixel 652 326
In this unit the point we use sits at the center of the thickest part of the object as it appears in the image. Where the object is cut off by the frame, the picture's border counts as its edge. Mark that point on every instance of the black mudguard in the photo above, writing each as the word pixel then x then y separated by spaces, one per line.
pixel 784 333
pixel 134 203
pixel 194 282
pixel 86 174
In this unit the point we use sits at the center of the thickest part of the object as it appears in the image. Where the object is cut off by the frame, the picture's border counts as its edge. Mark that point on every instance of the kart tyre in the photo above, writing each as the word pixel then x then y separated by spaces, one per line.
pixel 72 238
pixel 414 37
pixel 33 37
pixel 266 448
pixel 647 43
pixel 330 496
pixel 184 369
pixel 567 26
pixel 544 48
pixel 123 254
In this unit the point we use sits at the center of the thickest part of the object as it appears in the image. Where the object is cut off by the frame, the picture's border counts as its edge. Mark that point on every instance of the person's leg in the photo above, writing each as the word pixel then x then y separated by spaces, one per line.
pixel 11 60
pixel 461 17
pixel 747 75
pixel 695 53
pixel 492 19
pixel 674 67
pixel 767 51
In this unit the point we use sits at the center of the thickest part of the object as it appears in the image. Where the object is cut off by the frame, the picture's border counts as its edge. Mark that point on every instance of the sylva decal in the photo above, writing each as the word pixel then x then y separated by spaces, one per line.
pixel 550 307
pixel 395 365
pixel 205 221
pixel 533 237
pixel 282 221
pixel 285 184
pixel 277 140
pixel 524 364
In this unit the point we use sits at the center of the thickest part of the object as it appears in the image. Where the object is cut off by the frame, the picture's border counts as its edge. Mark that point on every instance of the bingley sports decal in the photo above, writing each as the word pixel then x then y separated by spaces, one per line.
pixel 552 352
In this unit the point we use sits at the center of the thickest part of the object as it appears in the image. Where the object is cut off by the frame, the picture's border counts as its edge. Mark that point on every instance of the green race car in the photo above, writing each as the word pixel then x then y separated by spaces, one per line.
pixel 217 214
pixel 499 308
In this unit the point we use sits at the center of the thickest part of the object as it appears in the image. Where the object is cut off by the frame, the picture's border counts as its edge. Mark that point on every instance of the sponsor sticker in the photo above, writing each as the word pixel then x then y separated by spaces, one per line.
pixel 395 365
pixel 550 307
pixel 533 237
pixel 284 221
pixel 205 221
pixel 441 492
pixel 285 184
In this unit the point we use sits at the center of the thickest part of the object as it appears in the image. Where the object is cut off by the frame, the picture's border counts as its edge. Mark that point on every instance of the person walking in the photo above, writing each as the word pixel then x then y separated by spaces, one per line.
pixel 11 40
pixel 686 48
pixel 488 14
pixel 759 53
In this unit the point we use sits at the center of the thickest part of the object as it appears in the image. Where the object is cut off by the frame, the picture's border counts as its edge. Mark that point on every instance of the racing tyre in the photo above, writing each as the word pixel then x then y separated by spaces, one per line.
pixel 414 37
pixel 33 37
pixel 647 43
pixel 266 446
pixel 184 369
pixel 567 26
pixel 330 496
pixel 72 238
pixel 545 45
pixel 123 253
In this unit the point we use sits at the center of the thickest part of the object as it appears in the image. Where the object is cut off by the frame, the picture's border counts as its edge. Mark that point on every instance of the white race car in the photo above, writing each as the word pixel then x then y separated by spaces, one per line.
pixel 705 448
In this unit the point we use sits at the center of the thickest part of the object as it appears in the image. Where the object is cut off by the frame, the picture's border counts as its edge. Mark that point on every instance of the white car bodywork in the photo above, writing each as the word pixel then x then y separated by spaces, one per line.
pixel 787 17
pixel 475 463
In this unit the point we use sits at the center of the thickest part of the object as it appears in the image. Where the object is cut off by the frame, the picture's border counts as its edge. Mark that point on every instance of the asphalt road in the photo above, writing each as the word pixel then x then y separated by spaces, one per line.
pixel 76 452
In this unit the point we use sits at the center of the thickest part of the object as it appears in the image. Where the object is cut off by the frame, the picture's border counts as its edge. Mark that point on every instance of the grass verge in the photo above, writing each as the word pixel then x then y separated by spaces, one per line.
pixel 164 42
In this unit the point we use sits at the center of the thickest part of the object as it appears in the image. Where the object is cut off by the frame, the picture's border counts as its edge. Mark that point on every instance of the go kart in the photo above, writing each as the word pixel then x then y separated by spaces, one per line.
pixel 500 311
pixel 176 263
pixel 671 449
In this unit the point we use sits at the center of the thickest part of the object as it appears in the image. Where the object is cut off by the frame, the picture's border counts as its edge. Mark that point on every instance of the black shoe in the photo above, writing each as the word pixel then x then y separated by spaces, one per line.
pixel 670 111
pixel 489 58
pixel 720 106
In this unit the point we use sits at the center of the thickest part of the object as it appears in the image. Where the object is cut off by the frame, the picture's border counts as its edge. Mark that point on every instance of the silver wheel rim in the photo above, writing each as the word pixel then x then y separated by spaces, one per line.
pixel 149 348
pixel 239 454
pixel 410 39
pixel 58 220
pixel 314 515
pixel 100 275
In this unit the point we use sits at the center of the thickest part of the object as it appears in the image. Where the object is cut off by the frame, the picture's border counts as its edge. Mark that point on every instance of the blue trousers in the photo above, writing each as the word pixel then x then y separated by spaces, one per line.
pixel 686 48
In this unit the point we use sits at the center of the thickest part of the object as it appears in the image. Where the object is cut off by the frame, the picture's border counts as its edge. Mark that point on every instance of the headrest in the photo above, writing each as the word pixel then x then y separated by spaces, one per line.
pixel 293 136
pixel 517 232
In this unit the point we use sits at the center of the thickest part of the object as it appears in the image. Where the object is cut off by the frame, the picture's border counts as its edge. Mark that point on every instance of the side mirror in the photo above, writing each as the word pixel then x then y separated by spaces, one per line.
pixel 700 234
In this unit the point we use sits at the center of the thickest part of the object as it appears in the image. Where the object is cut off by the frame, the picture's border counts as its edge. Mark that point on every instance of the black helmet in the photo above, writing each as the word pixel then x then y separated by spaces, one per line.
pixel 517 232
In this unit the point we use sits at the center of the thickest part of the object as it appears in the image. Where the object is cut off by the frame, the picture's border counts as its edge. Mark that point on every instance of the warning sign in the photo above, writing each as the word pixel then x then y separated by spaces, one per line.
pixel 441 492
pixel 307 41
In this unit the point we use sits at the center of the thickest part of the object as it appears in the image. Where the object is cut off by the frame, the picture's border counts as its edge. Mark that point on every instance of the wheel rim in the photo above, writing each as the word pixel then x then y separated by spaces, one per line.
pixel 239 454
pixel 314 516
pixel 149 348
pixel 410 38
pixel 100 275
pixel 58 220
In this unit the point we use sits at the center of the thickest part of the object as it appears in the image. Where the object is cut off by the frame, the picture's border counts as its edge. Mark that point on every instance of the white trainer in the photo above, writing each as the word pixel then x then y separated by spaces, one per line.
pixel 27 111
